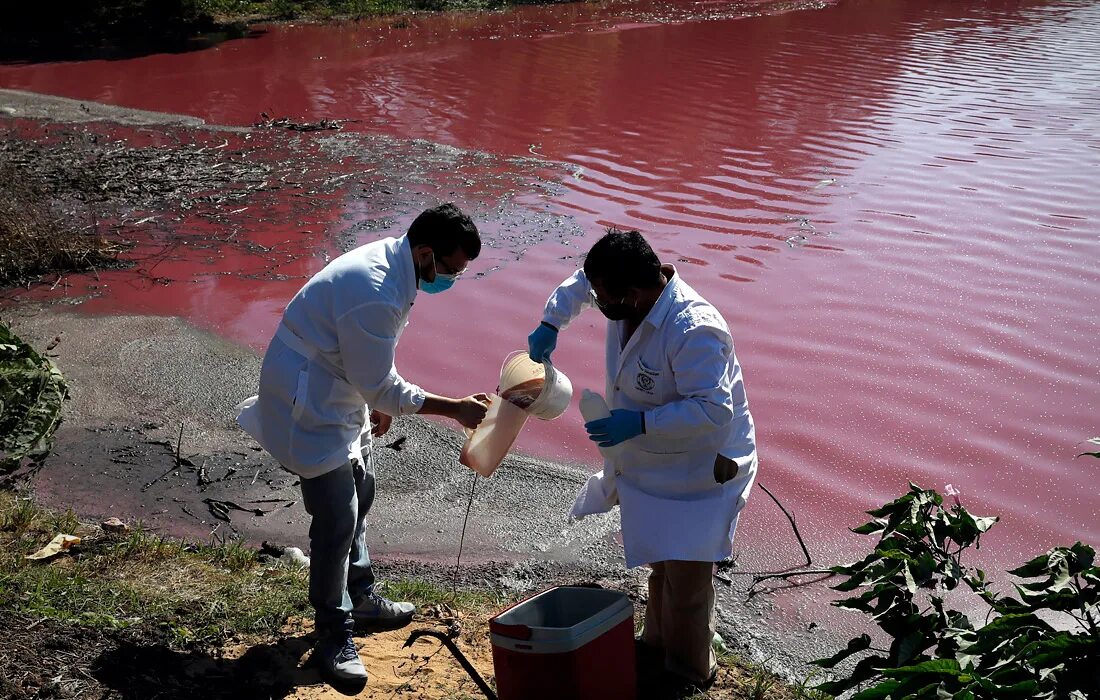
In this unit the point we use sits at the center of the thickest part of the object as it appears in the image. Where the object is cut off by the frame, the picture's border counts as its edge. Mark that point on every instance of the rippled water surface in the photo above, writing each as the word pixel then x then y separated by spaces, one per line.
pixel 894 203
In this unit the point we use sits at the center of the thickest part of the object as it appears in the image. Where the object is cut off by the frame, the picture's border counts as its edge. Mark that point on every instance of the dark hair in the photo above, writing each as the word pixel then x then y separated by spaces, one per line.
pixel 621 260
pixel 445 228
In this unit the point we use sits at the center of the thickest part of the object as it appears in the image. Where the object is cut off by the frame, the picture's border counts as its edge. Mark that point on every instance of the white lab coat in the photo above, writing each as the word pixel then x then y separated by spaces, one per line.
pixel 679 367
pixel 332 361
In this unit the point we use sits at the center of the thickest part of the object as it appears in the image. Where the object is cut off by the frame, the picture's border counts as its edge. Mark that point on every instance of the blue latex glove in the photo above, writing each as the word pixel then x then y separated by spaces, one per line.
pixel 621 426
pixel 542 342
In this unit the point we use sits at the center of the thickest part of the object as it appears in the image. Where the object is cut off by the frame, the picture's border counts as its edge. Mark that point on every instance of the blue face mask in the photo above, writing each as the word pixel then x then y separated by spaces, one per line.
pixel 441 283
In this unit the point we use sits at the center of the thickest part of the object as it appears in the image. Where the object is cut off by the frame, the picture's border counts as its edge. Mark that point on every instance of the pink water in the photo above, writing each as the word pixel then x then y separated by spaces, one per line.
pixel 893 203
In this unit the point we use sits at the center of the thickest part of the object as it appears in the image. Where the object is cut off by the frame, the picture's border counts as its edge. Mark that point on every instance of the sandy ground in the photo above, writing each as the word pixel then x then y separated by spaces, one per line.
pixel 51 660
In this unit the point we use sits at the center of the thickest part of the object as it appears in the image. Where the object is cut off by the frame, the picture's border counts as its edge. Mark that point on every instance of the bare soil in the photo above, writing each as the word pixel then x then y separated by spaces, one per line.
pixel 47 659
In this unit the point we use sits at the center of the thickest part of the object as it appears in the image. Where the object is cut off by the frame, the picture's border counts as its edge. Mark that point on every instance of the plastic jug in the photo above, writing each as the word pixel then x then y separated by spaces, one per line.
pixel 487 446
pixel 527 388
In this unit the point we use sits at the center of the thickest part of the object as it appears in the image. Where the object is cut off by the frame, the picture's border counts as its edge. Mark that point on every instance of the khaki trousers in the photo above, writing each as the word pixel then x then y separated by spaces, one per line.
pixel 679 617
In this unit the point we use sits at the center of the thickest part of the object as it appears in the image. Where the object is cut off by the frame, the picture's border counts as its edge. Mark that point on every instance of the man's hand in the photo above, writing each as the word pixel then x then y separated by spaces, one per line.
pixel 542 342
pixel 471 410
pixel 620 426
pixel 380 423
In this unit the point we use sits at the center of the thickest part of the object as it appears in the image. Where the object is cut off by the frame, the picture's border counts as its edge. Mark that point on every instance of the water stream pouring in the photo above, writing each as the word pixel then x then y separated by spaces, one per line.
pixel 527 388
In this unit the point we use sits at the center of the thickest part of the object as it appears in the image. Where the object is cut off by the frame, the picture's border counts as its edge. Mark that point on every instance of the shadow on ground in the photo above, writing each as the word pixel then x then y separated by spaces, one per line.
pixel 139 672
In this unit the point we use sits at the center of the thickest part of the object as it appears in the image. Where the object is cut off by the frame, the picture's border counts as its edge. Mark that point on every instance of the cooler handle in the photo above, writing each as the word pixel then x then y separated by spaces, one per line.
pixel 512 631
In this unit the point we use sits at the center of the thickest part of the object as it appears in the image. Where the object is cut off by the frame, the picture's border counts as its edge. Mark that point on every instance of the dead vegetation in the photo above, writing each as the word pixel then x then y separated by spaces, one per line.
pixel 35 239
pixel 64 198
pixel 85 166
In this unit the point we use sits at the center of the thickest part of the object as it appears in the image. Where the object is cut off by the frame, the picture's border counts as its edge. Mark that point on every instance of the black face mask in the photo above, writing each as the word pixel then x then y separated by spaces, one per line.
pixel 616 312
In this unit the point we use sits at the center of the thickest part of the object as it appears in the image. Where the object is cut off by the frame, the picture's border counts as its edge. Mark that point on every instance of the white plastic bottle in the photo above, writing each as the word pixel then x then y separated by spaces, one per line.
pixel 593 407
pixel 599 494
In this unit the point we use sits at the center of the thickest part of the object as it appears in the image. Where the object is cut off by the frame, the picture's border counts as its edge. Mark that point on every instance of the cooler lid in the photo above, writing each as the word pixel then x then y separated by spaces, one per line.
pixel 563 614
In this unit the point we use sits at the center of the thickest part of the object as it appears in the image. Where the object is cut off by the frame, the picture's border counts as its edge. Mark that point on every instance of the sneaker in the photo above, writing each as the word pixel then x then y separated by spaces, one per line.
pixel 339 658
pixel 379 611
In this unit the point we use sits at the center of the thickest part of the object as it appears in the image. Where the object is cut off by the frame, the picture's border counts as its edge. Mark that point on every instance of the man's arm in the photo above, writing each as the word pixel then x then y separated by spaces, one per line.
pixel 564 304
pixel 469 411
pixel 567 301
pixel 368 341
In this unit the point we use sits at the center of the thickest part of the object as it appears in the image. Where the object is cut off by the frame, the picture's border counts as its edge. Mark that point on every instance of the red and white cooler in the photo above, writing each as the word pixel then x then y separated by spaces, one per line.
pixel 567 643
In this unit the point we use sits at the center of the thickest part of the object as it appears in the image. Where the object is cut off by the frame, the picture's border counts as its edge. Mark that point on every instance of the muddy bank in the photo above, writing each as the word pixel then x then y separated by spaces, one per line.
pixel 136 380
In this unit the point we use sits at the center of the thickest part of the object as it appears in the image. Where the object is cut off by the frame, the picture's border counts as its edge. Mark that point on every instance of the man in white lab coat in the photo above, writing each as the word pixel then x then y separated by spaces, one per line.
pixel 684 456
pixel 329 367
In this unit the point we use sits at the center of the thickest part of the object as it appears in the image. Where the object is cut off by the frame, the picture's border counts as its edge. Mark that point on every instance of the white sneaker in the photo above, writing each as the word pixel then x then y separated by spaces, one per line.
pixel 339 657
pixel 379 611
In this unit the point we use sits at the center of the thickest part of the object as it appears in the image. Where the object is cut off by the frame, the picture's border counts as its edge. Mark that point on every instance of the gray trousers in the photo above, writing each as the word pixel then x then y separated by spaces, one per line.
pixel 340 572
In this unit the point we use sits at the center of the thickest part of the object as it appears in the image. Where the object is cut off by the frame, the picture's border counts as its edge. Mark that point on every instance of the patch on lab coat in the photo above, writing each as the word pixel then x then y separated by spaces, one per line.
pixel 646 381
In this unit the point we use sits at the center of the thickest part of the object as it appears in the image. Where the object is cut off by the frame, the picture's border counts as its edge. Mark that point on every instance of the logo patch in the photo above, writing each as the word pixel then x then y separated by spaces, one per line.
pixel 644 383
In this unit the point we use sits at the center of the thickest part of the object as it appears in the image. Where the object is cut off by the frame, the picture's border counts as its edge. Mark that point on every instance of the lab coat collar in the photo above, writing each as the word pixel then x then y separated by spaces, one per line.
pixel 406 264
pixel 656 316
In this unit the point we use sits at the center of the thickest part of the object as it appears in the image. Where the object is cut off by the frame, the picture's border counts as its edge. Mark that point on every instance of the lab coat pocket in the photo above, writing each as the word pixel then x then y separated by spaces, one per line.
pixel 301 394
pixel 725 469
pixel 347 403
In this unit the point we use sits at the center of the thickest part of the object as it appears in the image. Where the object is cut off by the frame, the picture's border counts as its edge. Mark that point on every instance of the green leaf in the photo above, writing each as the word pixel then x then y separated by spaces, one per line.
pixel 910 584
pixel 879 691
pixel 1035 567
pixel 1004 627
pixel 939 667
pixel 1084 556
pixel 1023 690
pixel 984 523
pixel 1061 647
pixel 32 391
pixel 869 528
pixel 896 506
pixel 865 670
pixel 909 646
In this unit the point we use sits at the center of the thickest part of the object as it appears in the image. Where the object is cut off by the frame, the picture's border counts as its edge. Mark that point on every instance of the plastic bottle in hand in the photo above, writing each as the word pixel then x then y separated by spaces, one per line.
pixel 599 493
pixel 593 407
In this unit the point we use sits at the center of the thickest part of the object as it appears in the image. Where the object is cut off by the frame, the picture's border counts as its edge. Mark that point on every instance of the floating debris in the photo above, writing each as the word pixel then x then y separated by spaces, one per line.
pixel 286 123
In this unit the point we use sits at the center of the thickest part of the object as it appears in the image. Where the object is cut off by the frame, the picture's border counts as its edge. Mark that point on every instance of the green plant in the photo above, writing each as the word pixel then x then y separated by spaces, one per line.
pixel 65 522
pixel 20 516
pixel 31 393
pixel 283 9
pixel 1042 644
